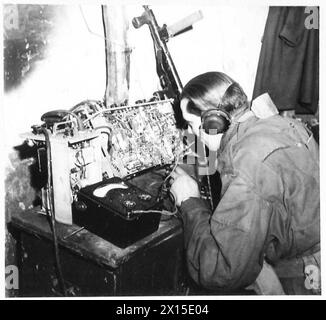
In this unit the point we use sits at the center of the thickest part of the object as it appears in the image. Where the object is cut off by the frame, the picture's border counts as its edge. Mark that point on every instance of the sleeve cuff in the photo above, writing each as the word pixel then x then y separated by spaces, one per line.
pixel 193 206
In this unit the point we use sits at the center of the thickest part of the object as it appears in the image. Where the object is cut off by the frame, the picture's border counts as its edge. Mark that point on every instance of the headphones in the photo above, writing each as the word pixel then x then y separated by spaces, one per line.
pixel 217 120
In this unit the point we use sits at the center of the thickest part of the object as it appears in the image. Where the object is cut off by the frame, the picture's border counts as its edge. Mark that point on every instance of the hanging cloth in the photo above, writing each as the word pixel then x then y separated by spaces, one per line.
pixel 288 68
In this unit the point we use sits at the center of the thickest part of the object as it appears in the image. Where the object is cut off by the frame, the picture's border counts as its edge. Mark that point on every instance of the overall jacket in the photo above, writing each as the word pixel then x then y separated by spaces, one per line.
pixel 269 206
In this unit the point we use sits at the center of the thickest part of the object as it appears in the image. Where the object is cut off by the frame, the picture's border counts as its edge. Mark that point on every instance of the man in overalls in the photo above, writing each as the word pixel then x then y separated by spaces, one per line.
pixel 265 231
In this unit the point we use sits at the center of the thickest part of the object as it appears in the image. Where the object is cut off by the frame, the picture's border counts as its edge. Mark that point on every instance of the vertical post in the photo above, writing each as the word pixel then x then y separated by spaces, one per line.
pixel 60 179
pixel 116 27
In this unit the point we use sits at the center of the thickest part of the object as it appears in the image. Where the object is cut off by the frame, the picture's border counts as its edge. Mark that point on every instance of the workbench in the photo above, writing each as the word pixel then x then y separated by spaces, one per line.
pixel 92 266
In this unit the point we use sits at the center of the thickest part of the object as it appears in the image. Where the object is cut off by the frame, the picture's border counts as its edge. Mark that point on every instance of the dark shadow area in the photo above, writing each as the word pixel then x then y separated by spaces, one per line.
pixel 26 36
pixel 195 289
pixel 37 169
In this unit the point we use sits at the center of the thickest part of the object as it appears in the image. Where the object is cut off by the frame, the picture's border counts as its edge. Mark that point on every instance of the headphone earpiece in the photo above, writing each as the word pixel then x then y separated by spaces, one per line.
pixel 215 121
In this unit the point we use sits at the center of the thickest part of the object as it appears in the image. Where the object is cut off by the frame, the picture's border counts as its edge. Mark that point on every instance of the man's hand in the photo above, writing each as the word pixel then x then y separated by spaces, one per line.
pixel 183 186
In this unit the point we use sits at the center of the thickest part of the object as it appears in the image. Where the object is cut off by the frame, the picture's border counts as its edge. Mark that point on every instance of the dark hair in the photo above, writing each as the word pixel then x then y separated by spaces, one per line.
pixel 214 90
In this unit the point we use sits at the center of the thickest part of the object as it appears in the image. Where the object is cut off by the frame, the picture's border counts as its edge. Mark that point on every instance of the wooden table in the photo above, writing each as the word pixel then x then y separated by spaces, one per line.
pixel 92 266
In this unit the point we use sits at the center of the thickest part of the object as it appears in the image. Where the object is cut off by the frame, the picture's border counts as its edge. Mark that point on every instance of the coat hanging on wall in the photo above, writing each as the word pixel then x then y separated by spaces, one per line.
pixel 288 67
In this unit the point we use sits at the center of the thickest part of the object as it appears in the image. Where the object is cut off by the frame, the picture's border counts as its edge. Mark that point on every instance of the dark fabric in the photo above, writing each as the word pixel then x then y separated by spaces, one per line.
pixel 288 67
pixel 269 207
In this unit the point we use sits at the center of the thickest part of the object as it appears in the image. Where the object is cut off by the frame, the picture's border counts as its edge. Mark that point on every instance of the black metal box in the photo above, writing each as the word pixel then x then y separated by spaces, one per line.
pixel 111 210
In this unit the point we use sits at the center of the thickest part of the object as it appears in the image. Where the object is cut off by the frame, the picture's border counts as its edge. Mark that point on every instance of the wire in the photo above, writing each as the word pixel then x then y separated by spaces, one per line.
pixel 109 127
pixel 209 186
pixel 88 103
pixel 97 34
pixel 175 211
pixel 173 169
pixel 164 212
pixel 209 189
pixel 79 121
pixel 178 156
pixel 52 211
pixel 84 165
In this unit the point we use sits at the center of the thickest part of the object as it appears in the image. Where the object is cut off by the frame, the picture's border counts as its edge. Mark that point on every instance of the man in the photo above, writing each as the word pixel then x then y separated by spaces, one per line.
pixel 268 213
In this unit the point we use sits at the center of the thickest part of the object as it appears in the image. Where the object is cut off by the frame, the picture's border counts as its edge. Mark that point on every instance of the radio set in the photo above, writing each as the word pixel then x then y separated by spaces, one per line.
pixel 92 150
pixel 94 159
